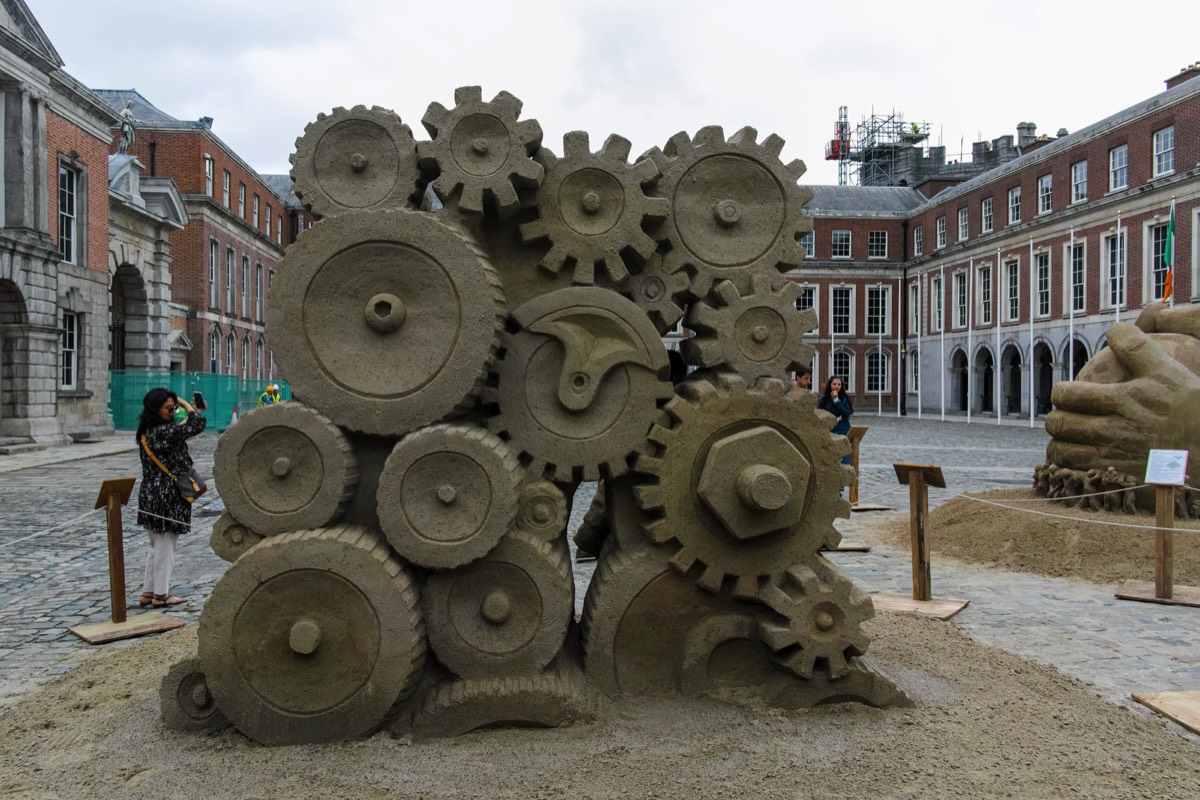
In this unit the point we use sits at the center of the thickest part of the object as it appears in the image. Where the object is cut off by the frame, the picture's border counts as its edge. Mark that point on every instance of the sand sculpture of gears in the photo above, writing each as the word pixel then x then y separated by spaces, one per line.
pixel 397 533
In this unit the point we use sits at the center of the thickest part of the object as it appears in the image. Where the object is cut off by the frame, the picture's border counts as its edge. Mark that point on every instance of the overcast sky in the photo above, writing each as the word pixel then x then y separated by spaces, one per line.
pixel 972 69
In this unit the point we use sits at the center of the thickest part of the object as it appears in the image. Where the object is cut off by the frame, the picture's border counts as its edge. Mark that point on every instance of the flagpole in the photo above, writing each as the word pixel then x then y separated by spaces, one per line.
pixel 1032 365
pixel 879 355
pixel 942 301
pixel 832 336
pixel 1071 309
pixel 900 289
pixel 1120 269
pixel 996 313
pixel 970 359
pixel 922 292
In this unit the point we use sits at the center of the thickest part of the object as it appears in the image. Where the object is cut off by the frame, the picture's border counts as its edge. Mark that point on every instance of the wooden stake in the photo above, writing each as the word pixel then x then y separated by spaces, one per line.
pixel 1164 541
pixel 113 495
pixel 855 435
pixel 918 510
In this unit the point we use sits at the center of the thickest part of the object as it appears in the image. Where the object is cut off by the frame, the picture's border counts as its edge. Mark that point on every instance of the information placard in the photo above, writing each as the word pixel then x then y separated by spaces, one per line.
pixel 1167 467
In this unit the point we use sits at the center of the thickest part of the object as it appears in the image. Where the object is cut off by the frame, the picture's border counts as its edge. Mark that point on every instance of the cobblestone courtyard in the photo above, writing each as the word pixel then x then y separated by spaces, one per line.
pixel 59 579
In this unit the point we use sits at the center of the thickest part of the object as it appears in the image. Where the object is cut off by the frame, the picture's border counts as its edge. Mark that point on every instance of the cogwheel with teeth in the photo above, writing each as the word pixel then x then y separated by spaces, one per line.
pixel 593 206
pixel 743 480
pixel 756 334
pixel 736 209
pixel 824 616
pixel 481 151
pixel 354 160
pixel 657 292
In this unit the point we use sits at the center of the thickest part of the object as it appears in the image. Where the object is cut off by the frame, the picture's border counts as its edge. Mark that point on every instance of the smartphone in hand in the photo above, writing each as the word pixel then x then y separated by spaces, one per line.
pixel 198 401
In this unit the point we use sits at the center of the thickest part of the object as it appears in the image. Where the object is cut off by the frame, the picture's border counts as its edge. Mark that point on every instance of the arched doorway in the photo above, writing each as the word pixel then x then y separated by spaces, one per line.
pixel 985 369
pixel 958 374
pixel 1010 377
pixel 1071 366
pixel 12 314
pixel 129 339
pixel 1043 365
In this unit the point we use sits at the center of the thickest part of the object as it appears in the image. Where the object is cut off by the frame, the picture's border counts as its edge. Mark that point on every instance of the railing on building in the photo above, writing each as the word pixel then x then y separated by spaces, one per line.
pixel 223 393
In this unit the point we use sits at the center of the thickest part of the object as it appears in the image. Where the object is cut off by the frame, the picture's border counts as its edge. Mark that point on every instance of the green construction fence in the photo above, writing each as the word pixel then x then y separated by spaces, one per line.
pixel 223 393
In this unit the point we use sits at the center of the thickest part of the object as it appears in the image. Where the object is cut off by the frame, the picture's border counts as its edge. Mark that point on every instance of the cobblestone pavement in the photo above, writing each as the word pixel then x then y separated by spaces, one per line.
pixel 60 579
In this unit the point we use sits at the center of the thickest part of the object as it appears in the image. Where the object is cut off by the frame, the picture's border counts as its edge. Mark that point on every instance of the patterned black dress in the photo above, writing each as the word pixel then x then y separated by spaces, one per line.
pixel 158 495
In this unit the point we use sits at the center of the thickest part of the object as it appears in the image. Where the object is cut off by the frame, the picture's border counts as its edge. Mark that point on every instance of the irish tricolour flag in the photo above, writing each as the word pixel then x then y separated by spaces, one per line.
pixel 1169 256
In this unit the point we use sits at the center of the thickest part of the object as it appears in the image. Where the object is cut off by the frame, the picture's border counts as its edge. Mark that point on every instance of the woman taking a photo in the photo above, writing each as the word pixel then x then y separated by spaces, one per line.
pixel 162 511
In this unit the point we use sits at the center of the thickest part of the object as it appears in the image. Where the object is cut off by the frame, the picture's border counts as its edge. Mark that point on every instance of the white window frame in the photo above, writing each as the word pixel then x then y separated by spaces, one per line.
pixel 850 316
pixel 241 200
pixel 245 307
pixel 254 207
pixel 1164 151
pixel 259 294
pixel 961 317
pixel 1116 269
pixel 809 297
pixel 1079 182
pixel 964 224
pixel 258 359
pixel 881 360
pixel 986 294
pixel 941 232
pixel 214 281
pixel 1152 262
pixel 245 358
pixel 69 181
pixel 1042 268
pixel 279 229
pixel 208 175
pixel 918 241
pixel 1045 194
pixel 884 310
pixel 914 371
pixel 877 249
pixel 1012 289
pixel 69 349
pixel 808 242
pixel 214 351
pixel 1080 298
pixel 986 215
pixel 847 373
pixel 937 306
pixel 230 353
pixel 1118 168
pixel 225 177
pixel 268 220
pixel 914 308
pixel 230 286
pixel 1014 205
pixel 835 245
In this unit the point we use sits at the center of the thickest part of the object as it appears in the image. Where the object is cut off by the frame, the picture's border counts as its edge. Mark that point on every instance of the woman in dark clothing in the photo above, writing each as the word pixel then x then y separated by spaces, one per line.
pixel 162 511
pixel 835 400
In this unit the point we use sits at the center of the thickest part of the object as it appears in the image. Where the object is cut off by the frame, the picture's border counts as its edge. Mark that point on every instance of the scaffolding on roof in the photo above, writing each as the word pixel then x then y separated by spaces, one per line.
pixel 868 156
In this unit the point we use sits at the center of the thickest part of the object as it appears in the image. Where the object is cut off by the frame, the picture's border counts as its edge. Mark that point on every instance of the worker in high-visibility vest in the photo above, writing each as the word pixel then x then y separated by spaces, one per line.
pixel 270 396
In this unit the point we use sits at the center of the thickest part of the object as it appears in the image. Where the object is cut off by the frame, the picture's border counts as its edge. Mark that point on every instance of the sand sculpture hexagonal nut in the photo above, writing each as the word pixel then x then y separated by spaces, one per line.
pixel 755 481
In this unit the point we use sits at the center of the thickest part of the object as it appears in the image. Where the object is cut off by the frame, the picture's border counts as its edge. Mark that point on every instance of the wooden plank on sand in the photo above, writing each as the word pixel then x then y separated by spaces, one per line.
pixel 1180 707
pixel 1144 591
pixel 138 625
pixel 938 608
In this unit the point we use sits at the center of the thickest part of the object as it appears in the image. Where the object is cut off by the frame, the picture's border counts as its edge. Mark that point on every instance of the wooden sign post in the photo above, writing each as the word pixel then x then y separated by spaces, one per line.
pixel 114 494
pixel 918 478
pixel 1165 469
pixel 855 435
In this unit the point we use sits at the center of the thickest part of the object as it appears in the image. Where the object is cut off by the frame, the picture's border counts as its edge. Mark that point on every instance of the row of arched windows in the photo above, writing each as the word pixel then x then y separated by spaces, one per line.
pixel 228 356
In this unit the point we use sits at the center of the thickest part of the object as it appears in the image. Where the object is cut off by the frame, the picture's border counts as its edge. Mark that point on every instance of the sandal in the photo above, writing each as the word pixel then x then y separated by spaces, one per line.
pixel 162 601
pixel 146 599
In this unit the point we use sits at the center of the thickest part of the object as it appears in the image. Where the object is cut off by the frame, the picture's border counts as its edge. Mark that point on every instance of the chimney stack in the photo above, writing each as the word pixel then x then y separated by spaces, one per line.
pixel 1185 74
pixel 1026 133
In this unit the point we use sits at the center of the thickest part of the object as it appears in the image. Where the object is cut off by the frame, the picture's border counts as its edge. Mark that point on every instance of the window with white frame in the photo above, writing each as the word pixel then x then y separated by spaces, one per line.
pixel 941 232
pixel 1164 151
pixel 1012 275
pixel 807 298
pixel 68 217
pixel 841 310
pixel 1114 250
pixel 963 224
pixel 242 200
pixel 914 309
pixel 1014 205
pixel 245 308
pixel 246 358
pixel 268 228
pixel 841 368
pixel 876 244
pixel 254 209
pixel 1118 168
pixel 230 286
pixel 918 241
pixel 258 293
pixel 1042 265
pixel 1158 266
pixel 1079 182
pixel 808 243
pixel 230 362
pixel 214 290
pixel 69 335
pixel 960 299
pixel 279 229
pixel 1045 194
pixel 214 351
pixel 877 372
pixel 1077 277
pixel 877 311
pixel 914 371
pixel 225 188
pixel 208 176
pixel 985 295
pixel 258 360
pixel 986 216
pixel 841 244
pixel 936 298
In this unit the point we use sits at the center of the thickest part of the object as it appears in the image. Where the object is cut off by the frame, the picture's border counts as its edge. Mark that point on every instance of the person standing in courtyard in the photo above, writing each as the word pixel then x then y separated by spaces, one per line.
pixel 836 401
pixel 162 510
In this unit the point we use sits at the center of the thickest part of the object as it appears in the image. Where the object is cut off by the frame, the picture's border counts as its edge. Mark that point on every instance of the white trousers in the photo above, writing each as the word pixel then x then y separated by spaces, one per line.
pixel 160 561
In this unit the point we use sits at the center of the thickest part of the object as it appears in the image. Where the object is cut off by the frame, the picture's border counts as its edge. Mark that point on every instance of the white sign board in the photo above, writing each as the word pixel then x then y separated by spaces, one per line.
pixel 1167 467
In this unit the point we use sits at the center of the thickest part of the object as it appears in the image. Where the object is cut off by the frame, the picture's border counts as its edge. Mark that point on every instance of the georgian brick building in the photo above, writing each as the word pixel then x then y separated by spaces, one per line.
pixel 977 299
pixel 225 258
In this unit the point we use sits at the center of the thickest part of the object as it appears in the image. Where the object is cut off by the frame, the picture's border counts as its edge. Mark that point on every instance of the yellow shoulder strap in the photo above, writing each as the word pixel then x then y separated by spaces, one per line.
pixel 154 458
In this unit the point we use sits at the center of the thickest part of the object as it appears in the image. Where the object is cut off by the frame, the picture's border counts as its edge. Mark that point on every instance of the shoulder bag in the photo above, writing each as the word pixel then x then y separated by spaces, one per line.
pixel 190 485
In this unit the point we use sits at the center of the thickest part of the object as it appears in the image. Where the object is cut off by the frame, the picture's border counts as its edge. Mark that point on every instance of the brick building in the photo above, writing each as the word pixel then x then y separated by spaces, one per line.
pixel 925 301
pixel 54 272
pixel 225 257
